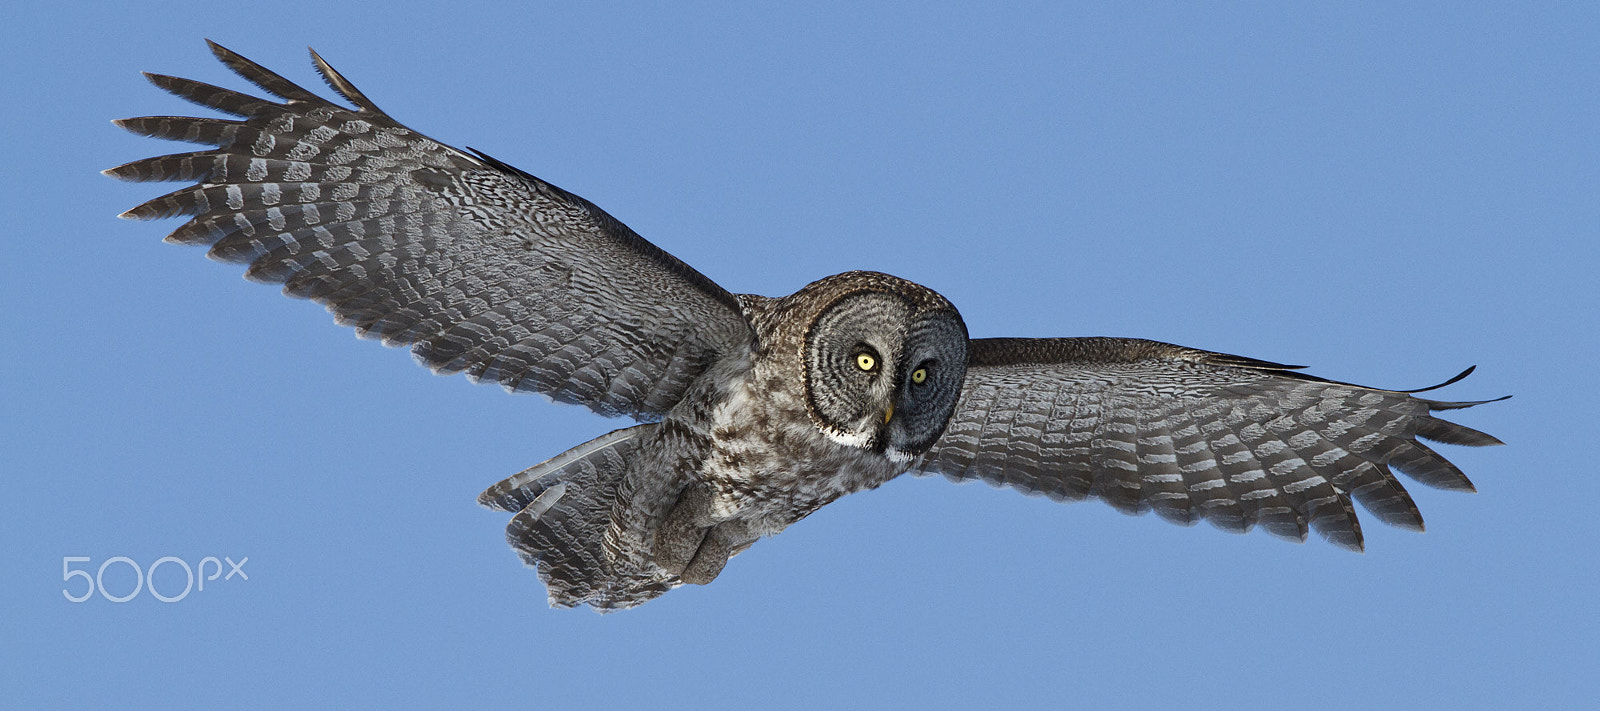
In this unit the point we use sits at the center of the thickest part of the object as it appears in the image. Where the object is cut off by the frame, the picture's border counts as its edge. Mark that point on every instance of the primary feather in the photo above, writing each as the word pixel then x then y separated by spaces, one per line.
pixel 481 268
pixel 1194 435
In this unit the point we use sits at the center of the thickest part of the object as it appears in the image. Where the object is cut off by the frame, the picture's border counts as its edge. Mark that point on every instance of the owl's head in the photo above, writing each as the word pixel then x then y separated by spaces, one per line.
pixel 883 360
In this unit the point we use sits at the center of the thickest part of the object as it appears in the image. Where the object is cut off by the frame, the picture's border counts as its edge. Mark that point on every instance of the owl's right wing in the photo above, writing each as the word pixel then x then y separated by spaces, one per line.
pixel 1194 435
pixel 478 266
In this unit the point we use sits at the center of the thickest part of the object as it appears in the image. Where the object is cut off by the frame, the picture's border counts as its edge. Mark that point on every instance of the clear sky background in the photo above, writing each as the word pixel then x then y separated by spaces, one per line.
pixel 1385 194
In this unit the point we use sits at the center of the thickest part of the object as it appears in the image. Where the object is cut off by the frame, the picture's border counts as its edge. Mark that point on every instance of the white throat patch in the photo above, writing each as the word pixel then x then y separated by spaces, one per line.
pixel 848 439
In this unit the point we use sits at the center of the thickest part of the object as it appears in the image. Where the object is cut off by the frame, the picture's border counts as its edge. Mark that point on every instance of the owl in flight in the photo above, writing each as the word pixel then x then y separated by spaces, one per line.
pixel 756 410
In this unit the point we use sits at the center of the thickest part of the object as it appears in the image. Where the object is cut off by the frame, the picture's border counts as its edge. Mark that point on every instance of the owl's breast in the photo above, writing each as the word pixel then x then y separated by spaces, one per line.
pixel 771 465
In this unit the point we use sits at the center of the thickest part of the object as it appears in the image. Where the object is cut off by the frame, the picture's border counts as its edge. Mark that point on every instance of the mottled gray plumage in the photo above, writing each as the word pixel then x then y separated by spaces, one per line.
pixel 756 411
pixel 1194 435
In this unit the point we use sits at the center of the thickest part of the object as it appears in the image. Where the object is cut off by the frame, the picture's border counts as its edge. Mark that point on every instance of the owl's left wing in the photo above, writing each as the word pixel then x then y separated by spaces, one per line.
pixel 479 267
pixel 1194 435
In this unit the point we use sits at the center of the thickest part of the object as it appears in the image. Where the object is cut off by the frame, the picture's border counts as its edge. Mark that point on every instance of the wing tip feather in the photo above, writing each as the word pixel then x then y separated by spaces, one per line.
pixel 1462 404
pixel 141 213
pixel 1410 523
pixel 268 80
pixel 125 173
pixel 1458 378
pixel 343 86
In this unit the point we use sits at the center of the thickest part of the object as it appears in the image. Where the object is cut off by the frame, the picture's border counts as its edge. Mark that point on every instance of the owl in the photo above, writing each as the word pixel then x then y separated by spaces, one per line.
pixel 754 411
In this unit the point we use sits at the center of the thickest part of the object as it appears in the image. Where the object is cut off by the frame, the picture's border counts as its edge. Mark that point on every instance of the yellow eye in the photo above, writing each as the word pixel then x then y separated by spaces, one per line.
pixel 919 376
pixel 865 361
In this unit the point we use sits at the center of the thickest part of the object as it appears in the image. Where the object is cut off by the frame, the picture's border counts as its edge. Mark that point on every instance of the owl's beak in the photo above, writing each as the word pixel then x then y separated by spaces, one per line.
pixel 888 413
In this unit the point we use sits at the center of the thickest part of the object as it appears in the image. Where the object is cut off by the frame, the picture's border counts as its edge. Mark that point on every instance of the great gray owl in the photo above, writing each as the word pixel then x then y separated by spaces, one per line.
pixel 757 410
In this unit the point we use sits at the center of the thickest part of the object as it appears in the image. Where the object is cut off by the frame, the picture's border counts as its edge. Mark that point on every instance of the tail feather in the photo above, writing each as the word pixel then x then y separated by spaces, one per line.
pixel 516 492
pixel 565 506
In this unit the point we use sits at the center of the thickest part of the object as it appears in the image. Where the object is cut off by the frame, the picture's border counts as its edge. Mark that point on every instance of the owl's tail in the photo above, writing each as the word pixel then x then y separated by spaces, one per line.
pixel 564 508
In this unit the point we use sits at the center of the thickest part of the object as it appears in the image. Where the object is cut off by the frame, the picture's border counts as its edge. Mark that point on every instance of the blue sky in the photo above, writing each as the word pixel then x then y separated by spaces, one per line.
pixel 1385 194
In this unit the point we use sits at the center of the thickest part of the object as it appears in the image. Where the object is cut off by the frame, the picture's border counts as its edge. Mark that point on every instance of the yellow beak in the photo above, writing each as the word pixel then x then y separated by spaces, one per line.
pixel 888 414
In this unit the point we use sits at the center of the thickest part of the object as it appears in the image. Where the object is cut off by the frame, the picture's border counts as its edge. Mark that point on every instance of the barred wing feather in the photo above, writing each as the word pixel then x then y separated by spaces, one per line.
pixel 479 267
pixel 1195 435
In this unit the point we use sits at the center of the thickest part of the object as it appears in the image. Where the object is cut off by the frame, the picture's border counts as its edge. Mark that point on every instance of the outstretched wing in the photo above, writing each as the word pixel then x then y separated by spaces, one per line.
pixel 480 267
pixel 1194 435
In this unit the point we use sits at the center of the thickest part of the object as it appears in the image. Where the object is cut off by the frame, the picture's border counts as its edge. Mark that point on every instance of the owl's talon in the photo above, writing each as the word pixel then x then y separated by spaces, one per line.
pixel 722 542
pixel 684 530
